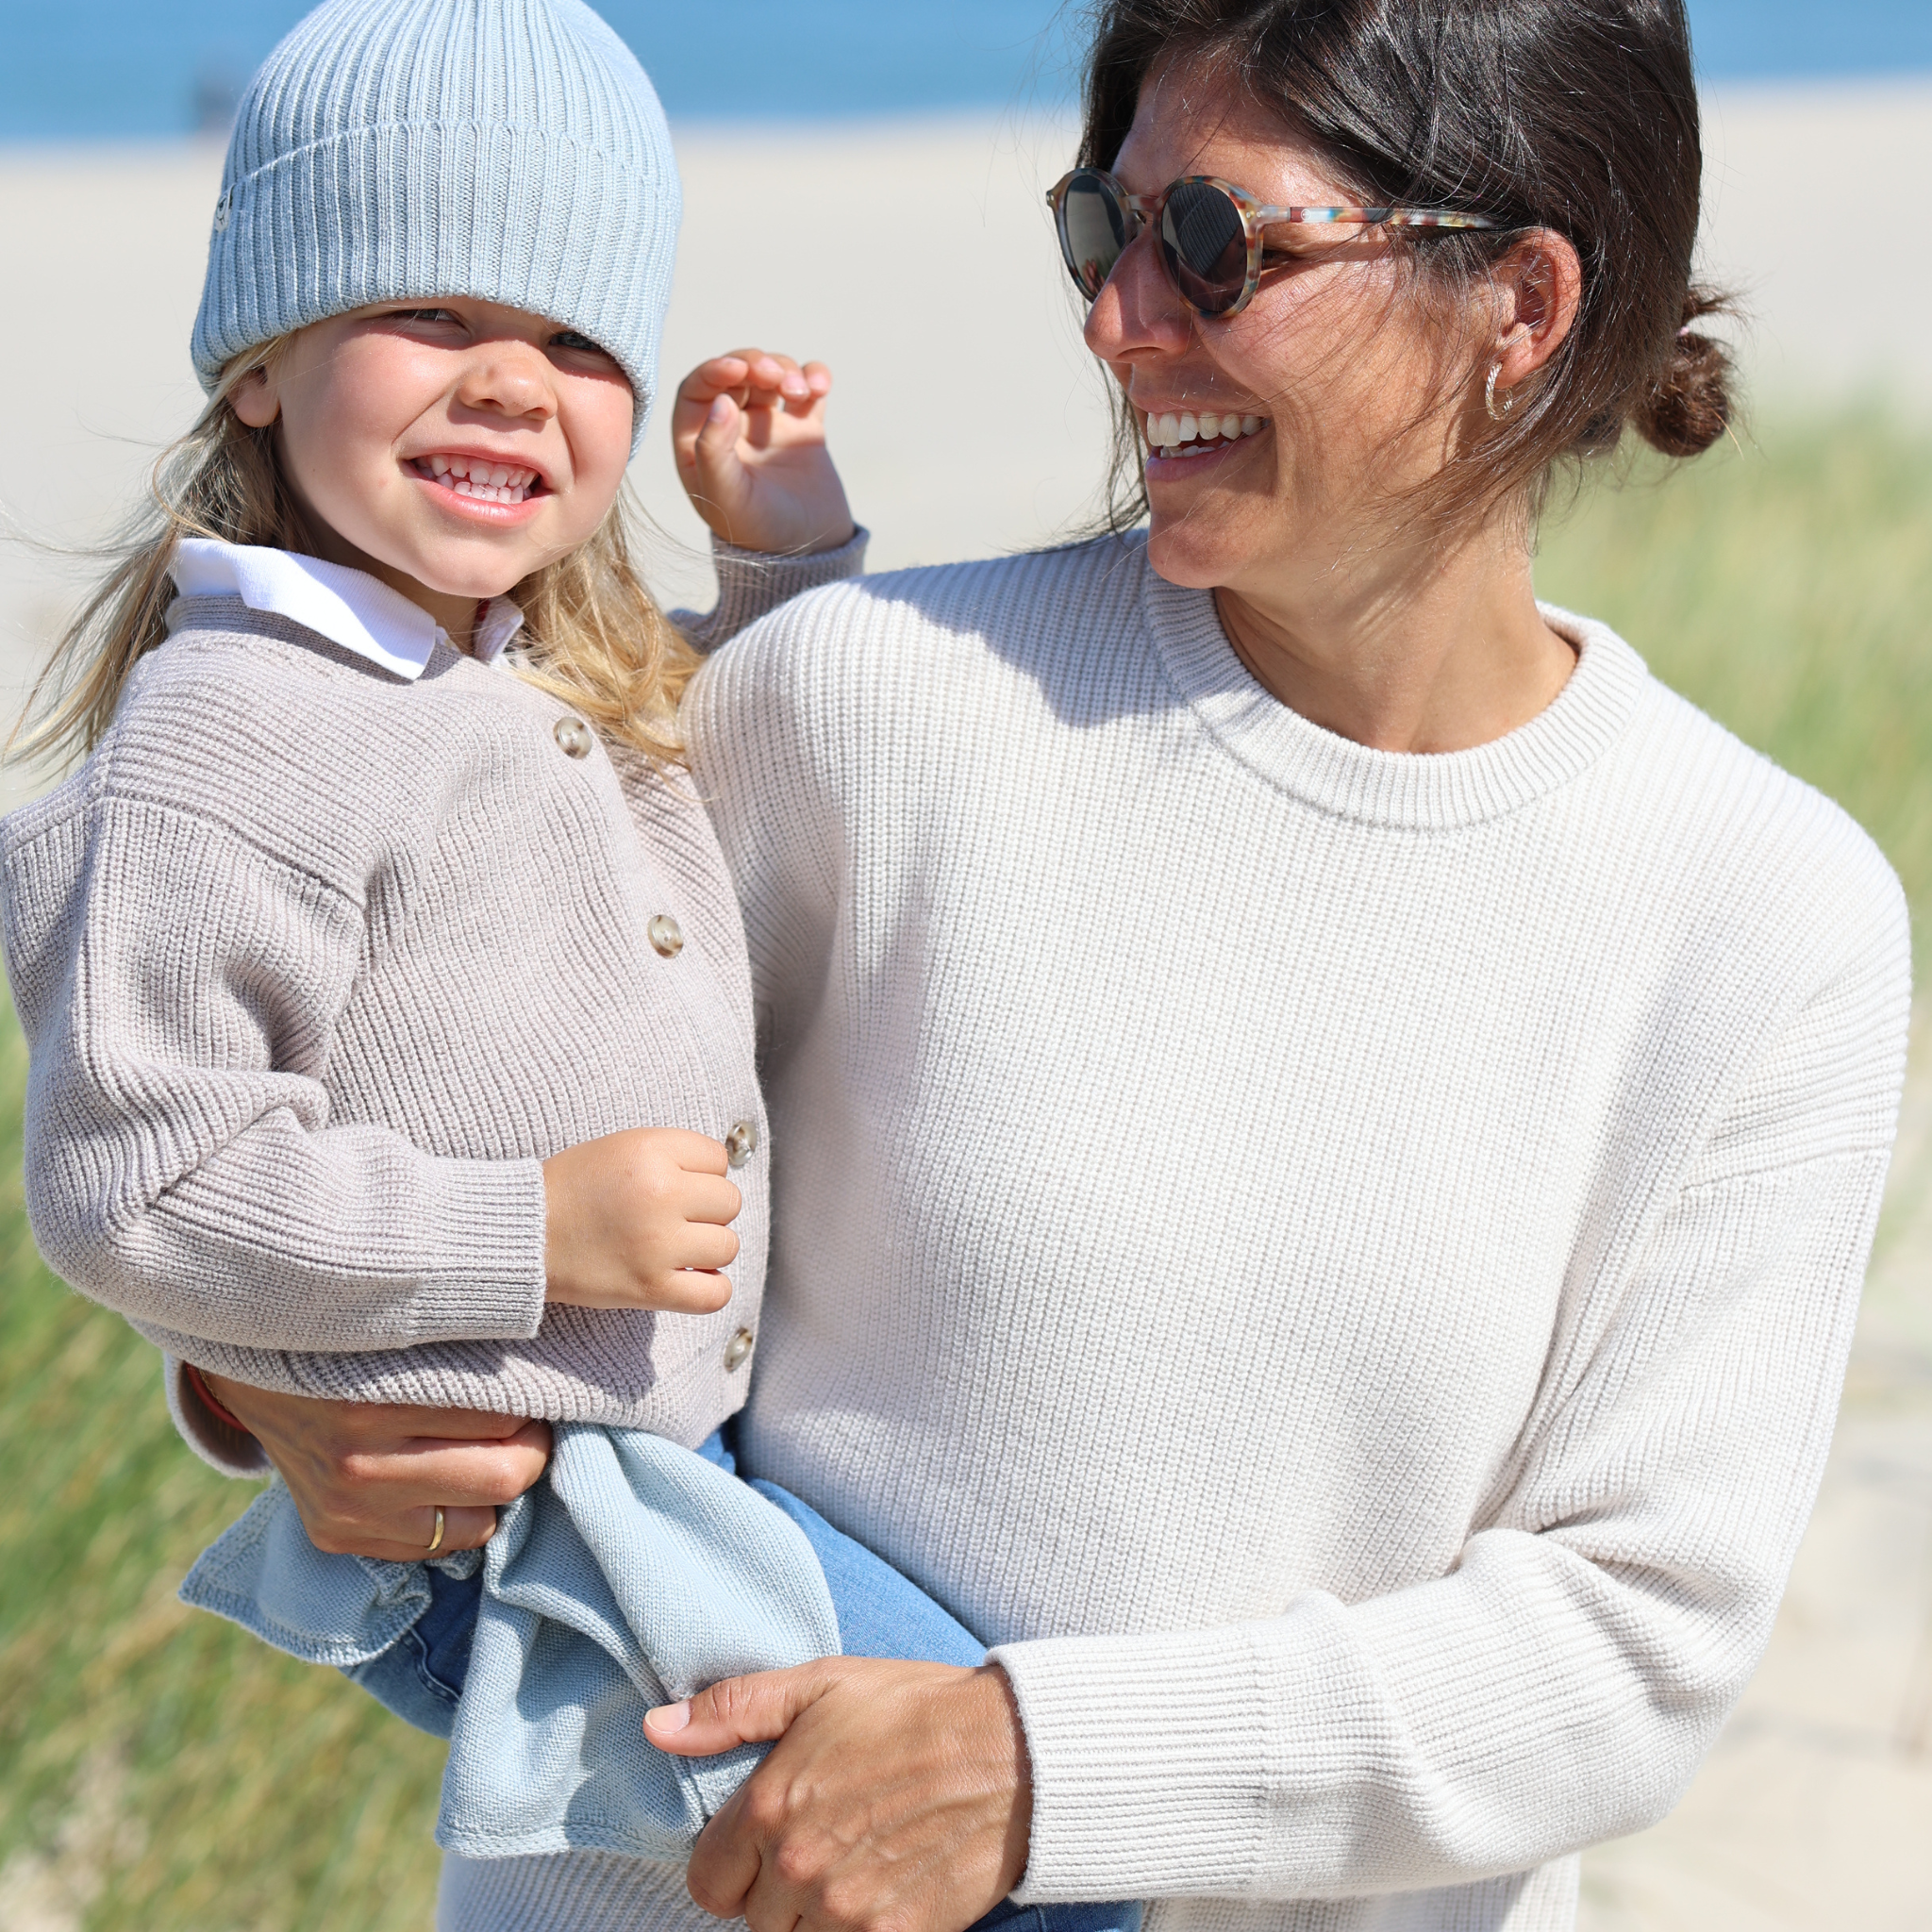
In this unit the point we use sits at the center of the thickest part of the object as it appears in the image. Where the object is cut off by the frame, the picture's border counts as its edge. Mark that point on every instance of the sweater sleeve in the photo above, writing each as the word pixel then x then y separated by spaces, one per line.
pixel 752 584
pixel 179 987
pixel 1561 1685
pixel 226 1450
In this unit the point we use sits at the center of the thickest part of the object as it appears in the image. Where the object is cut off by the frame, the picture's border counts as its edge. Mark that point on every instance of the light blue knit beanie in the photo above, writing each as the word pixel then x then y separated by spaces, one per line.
pixel 508 150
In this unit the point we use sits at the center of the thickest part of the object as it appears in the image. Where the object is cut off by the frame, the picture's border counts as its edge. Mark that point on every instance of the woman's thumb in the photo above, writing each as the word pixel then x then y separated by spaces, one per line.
pixel 737 1710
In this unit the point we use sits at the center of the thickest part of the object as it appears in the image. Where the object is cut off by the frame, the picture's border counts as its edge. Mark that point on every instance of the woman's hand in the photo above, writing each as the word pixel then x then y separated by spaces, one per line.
pixel 641 1220
pixel 897 1794
pixel 369 1477
pixel 749 430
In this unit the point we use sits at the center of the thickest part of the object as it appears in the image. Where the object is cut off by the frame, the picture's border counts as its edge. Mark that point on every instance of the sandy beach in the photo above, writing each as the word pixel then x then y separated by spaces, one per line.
pixel 968 421
pixel 968 418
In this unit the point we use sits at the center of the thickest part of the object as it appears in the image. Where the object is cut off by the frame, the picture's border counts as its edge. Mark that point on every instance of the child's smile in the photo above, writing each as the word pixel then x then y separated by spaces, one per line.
pixel 478 482
pixel 451 449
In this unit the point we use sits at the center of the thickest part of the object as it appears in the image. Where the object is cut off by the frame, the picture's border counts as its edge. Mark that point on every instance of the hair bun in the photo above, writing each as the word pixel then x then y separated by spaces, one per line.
pixel 1690 405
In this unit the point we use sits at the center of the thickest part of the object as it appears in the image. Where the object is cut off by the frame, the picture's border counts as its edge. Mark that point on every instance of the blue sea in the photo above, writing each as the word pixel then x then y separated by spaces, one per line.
pixel 138 69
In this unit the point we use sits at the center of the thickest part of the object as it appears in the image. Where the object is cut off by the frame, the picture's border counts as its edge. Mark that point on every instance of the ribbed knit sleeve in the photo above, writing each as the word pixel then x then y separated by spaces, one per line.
pixel 1560 1684
pixel 751 583
pixel 178 986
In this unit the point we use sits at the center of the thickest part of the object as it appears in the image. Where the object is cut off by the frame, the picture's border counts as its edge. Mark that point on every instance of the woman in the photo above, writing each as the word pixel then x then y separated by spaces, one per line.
pixel 1326 1127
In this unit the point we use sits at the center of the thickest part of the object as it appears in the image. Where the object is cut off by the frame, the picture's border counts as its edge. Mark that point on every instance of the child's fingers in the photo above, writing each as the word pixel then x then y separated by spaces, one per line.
pixel 717 437
pixel 694 1153
pixel 699 1247
pixel 720 375
pixel 689 1292
pixel 817 381
pixel 775 382
pixel 708 1200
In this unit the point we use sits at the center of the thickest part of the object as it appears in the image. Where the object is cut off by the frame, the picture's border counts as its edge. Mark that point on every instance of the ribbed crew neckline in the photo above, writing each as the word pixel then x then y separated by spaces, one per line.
pixel 1403 791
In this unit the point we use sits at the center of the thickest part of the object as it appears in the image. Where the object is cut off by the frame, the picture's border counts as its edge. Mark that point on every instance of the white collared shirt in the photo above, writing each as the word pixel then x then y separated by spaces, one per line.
pixel 348 606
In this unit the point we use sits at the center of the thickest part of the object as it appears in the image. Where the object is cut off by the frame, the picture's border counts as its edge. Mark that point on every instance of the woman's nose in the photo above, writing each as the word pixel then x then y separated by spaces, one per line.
pixel 1137 307
pixel 511 378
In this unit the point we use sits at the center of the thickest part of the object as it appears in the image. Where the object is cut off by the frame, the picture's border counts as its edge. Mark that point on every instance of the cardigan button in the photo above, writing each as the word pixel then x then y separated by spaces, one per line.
pixel 667 936
pixel 572 737
pixel 742 1143
pixel 738 1350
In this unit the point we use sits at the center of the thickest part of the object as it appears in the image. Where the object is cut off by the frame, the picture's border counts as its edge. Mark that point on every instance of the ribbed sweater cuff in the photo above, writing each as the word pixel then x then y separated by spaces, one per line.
pixel 751 583
pixel 1149 1758
pixel 217 1445
pixel 490 1285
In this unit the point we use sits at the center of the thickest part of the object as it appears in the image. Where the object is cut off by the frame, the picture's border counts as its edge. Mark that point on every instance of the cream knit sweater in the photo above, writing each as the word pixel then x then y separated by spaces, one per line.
pixel 1340 1264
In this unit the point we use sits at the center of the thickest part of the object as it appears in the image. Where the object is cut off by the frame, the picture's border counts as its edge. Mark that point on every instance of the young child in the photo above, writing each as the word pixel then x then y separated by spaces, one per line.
pixel 390 1018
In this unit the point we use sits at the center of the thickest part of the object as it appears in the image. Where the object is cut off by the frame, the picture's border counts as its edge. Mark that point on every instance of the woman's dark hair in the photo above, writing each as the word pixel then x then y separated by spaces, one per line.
pixel 1573 115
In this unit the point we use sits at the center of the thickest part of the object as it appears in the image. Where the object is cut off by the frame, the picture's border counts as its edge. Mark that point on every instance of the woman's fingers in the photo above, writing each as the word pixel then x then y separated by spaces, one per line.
pixel 739 1710
pixel 476 1474
pixel 367 1477
pixel 929 1757
pixel 382 1501
pixel 462 1529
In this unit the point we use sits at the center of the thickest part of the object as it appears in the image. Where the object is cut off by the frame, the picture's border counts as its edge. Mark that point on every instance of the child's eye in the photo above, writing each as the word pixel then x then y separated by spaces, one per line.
pixel 574 343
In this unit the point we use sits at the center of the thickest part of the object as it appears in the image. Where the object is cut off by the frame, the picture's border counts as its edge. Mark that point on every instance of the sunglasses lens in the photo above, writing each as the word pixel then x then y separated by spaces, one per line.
pixel 1206 248
pixel 1092 230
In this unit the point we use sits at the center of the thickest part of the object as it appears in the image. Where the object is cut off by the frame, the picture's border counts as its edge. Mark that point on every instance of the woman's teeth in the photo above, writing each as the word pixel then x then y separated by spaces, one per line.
pixel 487 482
pixel 1188 434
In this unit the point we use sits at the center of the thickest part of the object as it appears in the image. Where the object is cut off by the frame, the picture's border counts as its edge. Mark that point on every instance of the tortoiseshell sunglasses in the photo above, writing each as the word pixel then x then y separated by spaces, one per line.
pixel 1210 234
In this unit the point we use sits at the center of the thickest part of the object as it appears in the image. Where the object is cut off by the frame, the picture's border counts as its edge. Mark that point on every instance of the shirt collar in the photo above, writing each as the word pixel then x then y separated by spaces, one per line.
pixel 347 607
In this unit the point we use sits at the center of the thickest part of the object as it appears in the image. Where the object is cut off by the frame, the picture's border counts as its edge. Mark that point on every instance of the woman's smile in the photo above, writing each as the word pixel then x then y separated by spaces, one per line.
pixel 1186 442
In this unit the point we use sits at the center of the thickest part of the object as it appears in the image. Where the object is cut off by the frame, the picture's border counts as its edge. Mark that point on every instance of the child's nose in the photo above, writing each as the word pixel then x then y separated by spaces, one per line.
pixel 513 378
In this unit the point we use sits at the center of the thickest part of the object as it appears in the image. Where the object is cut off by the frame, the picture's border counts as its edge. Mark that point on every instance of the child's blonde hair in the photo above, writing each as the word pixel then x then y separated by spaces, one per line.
pixel 592 633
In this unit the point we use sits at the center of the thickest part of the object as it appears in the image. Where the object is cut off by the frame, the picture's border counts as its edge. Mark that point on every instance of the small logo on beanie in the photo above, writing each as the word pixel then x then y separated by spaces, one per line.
pixel 222 209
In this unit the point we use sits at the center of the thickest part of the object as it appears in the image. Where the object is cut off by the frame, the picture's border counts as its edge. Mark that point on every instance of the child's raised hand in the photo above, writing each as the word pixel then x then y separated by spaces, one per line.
pixel 749 430
pixel 641 1220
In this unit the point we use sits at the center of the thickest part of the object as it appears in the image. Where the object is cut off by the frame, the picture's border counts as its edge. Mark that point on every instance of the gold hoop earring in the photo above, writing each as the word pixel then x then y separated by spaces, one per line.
pixel 1496 415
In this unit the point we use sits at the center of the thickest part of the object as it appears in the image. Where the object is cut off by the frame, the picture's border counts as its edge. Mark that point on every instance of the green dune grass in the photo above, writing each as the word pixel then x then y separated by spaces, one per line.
pixel 159 1773
pixel 1785 586
pixel 158 1769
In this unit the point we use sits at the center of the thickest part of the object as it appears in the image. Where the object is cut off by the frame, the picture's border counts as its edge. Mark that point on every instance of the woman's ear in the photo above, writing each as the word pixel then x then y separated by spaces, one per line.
pixel 255 399
pixel 1539 289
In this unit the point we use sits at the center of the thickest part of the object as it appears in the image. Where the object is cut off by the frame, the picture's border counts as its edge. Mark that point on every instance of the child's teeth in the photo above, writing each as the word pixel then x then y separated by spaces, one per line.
pixel 485 482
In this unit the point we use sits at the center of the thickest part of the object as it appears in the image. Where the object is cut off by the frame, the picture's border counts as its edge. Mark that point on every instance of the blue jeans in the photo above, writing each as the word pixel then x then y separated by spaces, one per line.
pixel 881 1614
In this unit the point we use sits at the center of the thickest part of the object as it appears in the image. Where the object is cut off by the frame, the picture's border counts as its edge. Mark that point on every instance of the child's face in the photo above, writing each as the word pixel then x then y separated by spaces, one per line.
pixel 395 419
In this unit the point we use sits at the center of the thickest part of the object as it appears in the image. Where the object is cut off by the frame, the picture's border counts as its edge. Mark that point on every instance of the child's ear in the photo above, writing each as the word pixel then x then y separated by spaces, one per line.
pixel 255 399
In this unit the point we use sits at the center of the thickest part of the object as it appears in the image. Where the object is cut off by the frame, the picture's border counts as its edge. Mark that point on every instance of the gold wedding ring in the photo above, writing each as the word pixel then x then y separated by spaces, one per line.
pixel 436 1541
